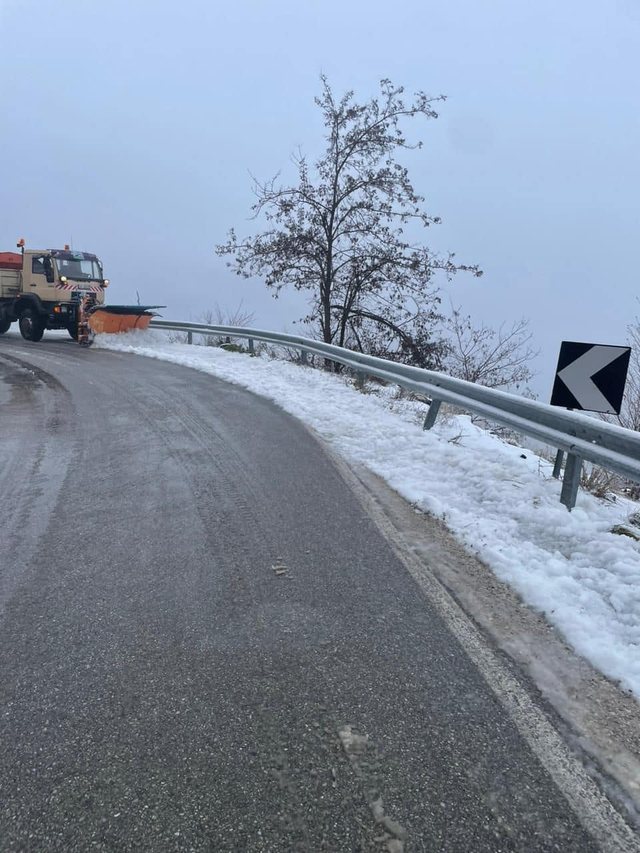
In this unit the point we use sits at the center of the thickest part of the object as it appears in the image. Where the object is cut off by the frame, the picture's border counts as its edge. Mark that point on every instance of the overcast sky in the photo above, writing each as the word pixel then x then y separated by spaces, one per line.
pixel 130 128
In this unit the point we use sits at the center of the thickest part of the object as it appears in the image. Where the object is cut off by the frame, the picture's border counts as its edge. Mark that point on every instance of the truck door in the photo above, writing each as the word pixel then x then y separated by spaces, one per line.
pixel 41 278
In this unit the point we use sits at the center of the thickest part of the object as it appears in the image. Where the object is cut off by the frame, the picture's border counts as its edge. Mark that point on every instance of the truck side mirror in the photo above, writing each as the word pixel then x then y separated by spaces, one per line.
pixel 48 270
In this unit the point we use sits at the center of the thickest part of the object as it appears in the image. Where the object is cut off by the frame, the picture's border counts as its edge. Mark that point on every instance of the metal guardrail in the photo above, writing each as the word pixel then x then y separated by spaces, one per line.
pixel 583 438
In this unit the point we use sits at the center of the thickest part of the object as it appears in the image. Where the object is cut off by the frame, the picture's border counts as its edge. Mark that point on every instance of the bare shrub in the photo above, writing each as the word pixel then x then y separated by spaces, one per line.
pixel 218 316
pixel 600 482
pixel 178 337
pixel 497 358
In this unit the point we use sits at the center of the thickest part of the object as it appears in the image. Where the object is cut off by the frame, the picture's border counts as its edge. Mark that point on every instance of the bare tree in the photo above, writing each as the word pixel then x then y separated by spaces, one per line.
pixel 339 233
pixel 497 358
pixel 629 416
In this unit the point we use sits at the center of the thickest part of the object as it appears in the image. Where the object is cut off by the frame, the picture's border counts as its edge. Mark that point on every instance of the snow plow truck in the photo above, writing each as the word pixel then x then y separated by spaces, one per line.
pixel 60 289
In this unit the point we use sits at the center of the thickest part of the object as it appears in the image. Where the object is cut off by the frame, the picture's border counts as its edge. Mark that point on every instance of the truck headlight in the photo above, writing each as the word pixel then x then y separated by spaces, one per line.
pixel 105 282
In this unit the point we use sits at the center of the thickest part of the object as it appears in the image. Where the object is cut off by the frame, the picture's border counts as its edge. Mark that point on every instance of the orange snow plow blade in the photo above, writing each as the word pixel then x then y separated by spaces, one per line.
pixel 121 318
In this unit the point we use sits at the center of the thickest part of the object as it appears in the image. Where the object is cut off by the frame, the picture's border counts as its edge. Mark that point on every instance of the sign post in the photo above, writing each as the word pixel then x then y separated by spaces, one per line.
pixel 590 378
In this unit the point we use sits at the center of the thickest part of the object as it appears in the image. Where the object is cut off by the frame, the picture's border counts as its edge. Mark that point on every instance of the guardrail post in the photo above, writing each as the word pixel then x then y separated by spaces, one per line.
pixel 557 465
pixel 303 356
pixel 251 347
pixel 361 379
pixel 571 480
pixel 189 337
pixel 432 414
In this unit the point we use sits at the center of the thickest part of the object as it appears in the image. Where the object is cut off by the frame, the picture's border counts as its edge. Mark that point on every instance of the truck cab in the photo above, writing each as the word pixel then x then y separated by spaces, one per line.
pixel 42 289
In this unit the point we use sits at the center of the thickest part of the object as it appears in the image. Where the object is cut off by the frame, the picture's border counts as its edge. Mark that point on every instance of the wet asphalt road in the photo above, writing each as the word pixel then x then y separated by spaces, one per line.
pixel 206 643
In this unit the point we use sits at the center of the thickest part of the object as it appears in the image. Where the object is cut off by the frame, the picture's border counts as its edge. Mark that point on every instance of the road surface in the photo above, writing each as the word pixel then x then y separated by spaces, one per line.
pixel 207 643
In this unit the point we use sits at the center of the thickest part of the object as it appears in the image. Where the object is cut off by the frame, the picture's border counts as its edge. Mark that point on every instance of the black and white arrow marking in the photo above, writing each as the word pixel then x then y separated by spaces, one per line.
pixel 591 377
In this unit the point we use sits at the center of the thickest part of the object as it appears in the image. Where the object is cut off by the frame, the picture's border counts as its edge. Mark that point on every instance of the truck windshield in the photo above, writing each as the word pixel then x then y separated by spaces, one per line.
pixel 79 268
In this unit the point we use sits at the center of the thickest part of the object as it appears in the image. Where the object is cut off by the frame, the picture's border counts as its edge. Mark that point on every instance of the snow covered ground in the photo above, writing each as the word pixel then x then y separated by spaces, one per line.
pixel 499 500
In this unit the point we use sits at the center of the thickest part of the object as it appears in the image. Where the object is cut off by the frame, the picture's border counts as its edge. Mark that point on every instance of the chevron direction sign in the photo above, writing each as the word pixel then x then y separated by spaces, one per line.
pixel 590 377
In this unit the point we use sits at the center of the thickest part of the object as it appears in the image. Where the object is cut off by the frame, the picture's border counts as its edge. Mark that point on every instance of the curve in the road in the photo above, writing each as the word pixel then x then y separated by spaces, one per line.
pixel 207 643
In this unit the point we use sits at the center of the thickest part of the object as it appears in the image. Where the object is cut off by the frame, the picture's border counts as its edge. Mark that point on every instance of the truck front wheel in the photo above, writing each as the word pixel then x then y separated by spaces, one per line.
pixel 31 325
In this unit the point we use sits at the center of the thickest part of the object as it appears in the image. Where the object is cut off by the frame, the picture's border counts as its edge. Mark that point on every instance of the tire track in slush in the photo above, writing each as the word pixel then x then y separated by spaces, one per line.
pixel 34 463
pixel 216 462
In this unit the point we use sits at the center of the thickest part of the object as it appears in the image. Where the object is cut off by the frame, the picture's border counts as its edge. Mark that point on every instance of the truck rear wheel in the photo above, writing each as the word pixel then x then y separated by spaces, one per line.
pixel 73 331
pixel 31 325
pixel 4 325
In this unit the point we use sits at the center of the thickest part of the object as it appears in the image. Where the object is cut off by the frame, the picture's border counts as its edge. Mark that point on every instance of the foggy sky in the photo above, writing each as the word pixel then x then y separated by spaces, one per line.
pixel 130 129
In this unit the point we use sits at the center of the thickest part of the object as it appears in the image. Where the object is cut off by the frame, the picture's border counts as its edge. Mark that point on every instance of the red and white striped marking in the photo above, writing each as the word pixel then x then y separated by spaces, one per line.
pixel 92 288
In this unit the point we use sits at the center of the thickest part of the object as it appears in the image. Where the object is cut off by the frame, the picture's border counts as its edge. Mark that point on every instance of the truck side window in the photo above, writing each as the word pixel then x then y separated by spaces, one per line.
pixel 37 266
